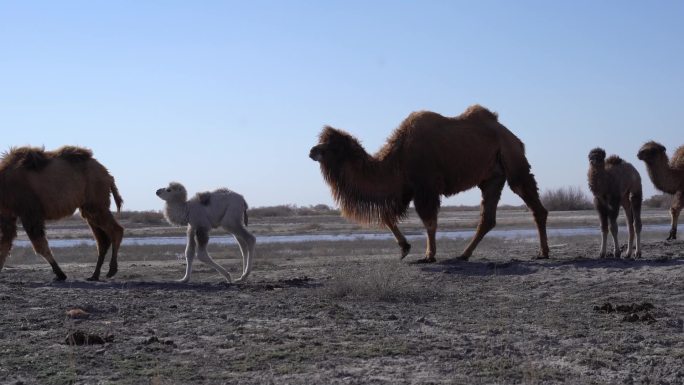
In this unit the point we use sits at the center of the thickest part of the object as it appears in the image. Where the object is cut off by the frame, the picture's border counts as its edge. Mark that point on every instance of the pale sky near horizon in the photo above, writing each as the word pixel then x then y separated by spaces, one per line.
pixel 234 93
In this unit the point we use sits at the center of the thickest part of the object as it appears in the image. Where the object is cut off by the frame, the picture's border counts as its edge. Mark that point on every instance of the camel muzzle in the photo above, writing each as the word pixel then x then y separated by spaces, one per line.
pixel 315 154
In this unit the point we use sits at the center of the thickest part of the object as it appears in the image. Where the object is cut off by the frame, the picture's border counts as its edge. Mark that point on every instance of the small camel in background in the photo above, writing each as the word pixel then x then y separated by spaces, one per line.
pixel 615 182
pixel 206 211
pixel 667 176
pixel 38 185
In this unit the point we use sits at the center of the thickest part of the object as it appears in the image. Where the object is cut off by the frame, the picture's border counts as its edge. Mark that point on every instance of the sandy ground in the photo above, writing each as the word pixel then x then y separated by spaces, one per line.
pixel 352 313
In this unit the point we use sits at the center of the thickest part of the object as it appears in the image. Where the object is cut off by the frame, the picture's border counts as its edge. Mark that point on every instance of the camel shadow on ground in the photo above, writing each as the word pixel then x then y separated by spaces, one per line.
pixel 296 282
pixel 519 267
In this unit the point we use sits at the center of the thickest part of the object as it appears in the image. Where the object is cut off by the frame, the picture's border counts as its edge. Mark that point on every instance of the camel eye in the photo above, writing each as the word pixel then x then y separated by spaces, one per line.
pixel 168 190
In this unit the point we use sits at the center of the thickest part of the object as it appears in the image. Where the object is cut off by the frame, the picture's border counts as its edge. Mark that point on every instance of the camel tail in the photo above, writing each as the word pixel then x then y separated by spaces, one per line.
pixel 245 217
pixel 117 197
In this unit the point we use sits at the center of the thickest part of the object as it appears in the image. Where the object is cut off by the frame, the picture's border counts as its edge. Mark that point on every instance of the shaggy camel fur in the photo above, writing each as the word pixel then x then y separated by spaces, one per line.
pixel 427 156
pixel 38 185
pixel 666 176
pixel 615 182
pixel 204 212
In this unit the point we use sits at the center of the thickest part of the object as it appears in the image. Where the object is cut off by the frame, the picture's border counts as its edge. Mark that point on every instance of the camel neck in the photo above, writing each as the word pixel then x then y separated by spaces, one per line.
pixel 662 176
pixel 368 190
pixel 599 179
pixel 177 213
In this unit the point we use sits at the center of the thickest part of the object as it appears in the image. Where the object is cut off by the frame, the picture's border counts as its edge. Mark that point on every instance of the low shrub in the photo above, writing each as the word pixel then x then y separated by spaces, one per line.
pixel 291 210
pixel 566 199
pixel 659 201
pixel 143 217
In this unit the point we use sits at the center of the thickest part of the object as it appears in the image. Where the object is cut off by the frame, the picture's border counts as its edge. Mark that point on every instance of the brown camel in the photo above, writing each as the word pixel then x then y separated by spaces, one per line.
pixel 666 176
pixel 38 185
pixel 615 182
pixel 427 156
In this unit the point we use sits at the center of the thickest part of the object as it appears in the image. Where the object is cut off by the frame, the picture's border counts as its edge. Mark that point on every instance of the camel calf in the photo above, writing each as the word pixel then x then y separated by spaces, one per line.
pixel 615 182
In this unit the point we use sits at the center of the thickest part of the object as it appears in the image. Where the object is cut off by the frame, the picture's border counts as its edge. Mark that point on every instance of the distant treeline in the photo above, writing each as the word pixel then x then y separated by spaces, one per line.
pixel 562 199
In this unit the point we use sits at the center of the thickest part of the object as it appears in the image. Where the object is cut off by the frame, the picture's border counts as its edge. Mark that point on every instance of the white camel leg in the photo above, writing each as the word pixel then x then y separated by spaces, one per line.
pixel 604 241
pixel 202 236
pixel 246 241
pixel 189 254
pixel 614 234
pixel 203 256
pixel 630 229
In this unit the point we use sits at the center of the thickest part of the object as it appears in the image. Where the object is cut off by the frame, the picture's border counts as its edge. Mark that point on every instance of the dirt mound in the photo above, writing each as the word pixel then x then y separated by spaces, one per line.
pixel 80 337
pixel 632 311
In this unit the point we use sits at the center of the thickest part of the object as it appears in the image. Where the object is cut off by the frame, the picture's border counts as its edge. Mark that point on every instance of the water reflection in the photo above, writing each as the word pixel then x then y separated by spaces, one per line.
pixel 522 234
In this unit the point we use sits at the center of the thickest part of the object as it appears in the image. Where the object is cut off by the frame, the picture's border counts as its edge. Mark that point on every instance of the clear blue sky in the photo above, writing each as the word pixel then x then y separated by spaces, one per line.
pixel 223 93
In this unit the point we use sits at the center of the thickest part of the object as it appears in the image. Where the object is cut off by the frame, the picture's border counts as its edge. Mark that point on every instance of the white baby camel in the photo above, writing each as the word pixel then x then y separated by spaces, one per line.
pixel 204 212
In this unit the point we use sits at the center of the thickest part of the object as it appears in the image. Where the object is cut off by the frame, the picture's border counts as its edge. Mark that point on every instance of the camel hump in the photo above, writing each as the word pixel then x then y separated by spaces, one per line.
pixel 614 160
pixel 477 111
pixel 204 198
pixel 677 161
pixel 74 154
pixel 31 158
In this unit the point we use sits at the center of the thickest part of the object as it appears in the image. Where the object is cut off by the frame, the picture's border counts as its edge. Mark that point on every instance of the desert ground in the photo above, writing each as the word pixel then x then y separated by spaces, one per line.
pixel 350 311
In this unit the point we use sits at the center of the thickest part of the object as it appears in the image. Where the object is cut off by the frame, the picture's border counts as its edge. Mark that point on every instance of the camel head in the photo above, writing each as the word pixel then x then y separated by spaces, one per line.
pixel 597 157
pixel 651 151
pixel 175 192
pixel 334 147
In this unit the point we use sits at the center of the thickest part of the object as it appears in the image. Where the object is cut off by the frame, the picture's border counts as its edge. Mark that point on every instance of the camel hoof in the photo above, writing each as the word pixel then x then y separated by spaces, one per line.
pixel 463 257
pixel 93 279
pixel 60 278
pixel 112 272
pixel 424 261
pixel 405 251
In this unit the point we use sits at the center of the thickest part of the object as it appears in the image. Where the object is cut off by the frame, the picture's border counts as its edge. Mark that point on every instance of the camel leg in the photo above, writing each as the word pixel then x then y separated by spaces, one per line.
pixel 109 233
pixel 491 193
pixel 527 190
pixel 35 229
pixel 103 244
pixel 189 254
pixel 401 239
pixel 635 203
pixel 8 227
pixel 627 206
pixel 246 241
pixel 603 219
pixel 202 236
pixel 613 211
pixel 675 209
pixel 427 207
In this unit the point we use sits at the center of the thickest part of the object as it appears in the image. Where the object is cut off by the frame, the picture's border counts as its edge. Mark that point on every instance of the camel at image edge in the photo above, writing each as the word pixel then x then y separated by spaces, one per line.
pixel 429 156
pixel 667 176
pixel 614 183
pixel 38 185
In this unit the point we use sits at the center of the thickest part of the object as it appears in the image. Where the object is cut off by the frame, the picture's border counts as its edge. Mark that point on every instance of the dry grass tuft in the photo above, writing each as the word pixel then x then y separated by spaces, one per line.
pixel 376 282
